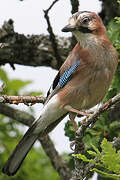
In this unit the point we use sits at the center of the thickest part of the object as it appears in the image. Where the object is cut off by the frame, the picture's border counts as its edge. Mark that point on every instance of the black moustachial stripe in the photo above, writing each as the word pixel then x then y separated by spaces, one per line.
pixel 84 29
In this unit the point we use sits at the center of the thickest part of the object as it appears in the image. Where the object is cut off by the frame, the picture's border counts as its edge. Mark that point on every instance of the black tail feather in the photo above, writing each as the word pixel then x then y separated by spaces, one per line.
pixel 14 162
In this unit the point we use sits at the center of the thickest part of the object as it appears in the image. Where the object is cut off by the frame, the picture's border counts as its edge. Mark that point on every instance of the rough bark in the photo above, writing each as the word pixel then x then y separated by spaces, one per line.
pixel 28 100
pixel 34 50
pixel 37 50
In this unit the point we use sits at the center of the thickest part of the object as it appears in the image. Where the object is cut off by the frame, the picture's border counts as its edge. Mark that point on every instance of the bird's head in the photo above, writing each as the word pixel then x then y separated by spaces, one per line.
pixel 85 23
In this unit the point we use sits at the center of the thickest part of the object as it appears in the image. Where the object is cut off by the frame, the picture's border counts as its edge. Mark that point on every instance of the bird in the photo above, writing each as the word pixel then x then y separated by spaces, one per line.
pixel 80 84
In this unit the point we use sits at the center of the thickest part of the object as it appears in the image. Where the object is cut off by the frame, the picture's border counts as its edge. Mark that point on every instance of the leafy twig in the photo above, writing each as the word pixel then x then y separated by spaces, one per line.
pixel 81 170
pixel 115 143
pixel 20 48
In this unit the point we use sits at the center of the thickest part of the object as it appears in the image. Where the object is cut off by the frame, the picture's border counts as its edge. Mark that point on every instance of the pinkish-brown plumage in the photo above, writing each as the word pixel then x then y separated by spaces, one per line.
pixel 80 84
pixel 92 79
pixel 98 63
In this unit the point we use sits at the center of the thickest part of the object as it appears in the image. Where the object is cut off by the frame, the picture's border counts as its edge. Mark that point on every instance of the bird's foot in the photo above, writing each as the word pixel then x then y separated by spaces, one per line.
pixel 71 109
pixel 105 106
pixel 72 119
pixel 74 112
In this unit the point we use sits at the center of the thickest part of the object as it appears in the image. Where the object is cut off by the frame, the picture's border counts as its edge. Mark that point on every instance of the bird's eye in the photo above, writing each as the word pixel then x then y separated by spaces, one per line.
pixel 85 20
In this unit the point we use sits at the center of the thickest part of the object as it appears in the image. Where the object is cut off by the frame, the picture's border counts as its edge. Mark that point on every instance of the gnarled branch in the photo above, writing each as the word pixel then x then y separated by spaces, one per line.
pixel 34 50
pixel 26 99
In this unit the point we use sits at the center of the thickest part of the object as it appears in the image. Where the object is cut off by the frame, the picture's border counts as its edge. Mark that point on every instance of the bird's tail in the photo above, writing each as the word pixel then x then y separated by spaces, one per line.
pixel 14 162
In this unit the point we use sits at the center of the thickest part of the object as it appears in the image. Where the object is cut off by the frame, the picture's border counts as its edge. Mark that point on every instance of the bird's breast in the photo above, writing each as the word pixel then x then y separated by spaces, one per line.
pixel 84 92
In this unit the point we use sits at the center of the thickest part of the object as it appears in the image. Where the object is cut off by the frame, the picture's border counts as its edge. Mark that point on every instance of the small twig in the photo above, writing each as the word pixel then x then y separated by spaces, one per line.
pixel 75 6
pixel 12 66
pixel 27 100
pixel 51 6
pixel 96 115
pixel 93 118
pixel 52 36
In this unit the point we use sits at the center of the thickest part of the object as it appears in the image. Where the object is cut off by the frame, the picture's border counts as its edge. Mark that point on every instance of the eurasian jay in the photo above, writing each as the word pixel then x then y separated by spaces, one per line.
pixel 80 84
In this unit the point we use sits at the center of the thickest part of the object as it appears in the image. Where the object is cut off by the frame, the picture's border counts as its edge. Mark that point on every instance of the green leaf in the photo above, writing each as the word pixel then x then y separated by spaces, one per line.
pixel 17 84
pixel 93 154
pixel 118 1
pixel 117 20
pixel 83 158
pixel 96 149
pixel 113 33
pixel 3 75
pixel 107 147
pixel 69 130
pixel 104 174
pixel 110 158
pixel 33 93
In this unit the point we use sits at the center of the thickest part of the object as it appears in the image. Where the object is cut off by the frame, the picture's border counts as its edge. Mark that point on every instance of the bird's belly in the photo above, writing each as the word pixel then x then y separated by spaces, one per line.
pixel 93 91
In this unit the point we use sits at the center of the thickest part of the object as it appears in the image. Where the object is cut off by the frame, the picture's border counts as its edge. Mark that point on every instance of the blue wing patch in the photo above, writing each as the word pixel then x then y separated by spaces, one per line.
pixel 66 76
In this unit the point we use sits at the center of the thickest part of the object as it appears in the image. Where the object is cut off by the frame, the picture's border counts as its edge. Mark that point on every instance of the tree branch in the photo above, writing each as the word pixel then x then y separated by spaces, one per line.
pixel 91 121
pixel 82 170
pixel 47 144
pixel 57 161
pixel 52 36
pixel 21 116
pixel 26 99
pixel 48 147
pixel 75 6
pixel 34 50
pixel 51 5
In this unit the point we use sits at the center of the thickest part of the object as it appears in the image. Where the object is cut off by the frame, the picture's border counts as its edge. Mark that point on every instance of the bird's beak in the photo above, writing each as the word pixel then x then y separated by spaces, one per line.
pixel 68 28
